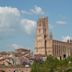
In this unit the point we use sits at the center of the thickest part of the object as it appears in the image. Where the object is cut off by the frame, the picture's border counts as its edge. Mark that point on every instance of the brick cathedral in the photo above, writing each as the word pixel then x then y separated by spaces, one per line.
pixel 45 45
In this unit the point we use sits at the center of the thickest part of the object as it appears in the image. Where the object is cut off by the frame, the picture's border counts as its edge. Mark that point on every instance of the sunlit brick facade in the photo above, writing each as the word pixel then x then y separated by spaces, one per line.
pixel 44 45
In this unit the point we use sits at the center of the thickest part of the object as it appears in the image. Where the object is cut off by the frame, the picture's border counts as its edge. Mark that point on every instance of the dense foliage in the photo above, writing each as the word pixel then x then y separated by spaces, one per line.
pixel 53 65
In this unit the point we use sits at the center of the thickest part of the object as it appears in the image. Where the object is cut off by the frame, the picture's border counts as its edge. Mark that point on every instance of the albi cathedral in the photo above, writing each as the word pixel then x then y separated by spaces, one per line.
pixel 45 44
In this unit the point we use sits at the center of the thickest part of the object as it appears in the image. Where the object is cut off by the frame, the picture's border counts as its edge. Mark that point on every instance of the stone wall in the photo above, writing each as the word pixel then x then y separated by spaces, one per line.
pixel 12 69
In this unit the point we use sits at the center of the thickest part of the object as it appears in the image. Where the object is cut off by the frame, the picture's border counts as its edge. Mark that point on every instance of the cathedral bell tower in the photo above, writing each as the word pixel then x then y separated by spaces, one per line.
pixel 41 36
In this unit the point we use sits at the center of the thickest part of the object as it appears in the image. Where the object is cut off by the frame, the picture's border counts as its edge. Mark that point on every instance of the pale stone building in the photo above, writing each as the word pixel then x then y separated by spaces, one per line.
pixel 45 45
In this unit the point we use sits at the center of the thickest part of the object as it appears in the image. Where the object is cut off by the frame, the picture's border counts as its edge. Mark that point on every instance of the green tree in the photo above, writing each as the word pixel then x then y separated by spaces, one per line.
pixel 52 64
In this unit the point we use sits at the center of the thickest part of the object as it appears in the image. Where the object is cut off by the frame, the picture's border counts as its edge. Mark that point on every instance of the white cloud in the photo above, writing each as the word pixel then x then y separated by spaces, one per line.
pixel 8 18
pixel 9 10
pixel 28 25
pixel 65 38
pixel 15 46
pixel 61 22
pixel 26 12
pixel 37 10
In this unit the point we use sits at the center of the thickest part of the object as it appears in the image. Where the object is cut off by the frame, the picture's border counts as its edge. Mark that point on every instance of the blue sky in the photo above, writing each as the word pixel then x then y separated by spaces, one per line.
pixel 18 21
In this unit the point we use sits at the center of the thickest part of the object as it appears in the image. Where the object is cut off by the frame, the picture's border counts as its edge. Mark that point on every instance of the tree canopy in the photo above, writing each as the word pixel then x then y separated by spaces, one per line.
pixel 53 64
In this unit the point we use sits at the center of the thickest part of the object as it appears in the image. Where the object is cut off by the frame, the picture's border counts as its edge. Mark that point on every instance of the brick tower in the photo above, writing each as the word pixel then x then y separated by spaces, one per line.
pixel 41 36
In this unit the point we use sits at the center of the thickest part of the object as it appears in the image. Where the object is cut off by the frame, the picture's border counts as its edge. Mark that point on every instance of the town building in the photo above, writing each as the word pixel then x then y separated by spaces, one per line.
pixel 17 61
pixel 20 56
pixel 45 44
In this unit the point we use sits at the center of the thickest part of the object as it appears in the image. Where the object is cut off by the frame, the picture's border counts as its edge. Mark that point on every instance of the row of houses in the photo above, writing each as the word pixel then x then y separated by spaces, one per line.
pixel 20 56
